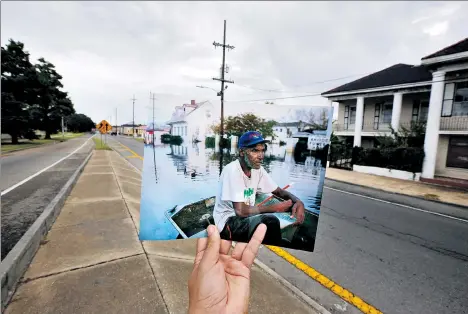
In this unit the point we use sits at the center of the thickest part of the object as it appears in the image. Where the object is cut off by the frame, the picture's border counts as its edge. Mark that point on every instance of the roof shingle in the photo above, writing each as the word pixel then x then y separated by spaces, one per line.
pixel 395 75
pixel 461 46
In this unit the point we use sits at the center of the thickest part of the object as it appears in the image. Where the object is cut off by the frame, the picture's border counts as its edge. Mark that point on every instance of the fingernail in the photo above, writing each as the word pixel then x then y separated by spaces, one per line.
pixel 210 229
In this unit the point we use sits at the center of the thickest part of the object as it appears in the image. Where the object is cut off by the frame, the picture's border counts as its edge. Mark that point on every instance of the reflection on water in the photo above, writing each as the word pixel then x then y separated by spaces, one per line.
pixel 177 175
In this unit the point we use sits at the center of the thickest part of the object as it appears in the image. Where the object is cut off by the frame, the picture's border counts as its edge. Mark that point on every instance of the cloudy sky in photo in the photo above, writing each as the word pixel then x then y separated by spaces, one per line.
pixel 109 51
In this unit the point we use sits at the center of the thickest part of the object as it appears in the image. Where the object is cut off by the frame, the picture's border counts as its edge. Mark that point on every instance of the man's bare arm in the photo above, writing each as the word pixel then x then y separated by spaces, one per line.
pixel 243 210
pixel 285 195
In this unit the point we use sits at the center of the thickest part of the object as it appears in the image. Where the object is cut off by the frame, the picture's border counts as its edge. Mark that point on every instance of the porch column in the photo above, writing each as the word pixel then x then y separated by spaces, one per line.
pixel 358 123
pixel 431 139
pixel 396 111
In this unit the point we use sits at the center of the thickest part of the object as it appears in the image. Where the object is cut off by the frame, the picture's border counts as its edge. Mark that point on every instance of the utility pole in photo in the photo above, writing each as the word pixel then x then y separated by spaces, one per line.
pixel 133 124
pixel 116 123
pixel 222 80
pixel 153 99
pixel 63 134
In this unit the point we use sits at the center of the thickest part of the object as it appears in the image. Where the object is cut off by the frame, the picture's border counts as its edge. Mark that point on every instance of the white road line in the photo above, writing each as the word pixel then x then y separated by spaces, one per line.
pixel 401 205
pixel 11 188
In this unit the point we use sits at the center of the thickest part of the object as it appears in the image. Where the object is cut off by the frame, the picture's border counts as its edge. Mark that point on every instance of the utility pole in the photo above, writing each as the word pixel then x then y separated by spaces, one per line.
pixel 133 124
pixel 63 134
pixel 152 98
pixel 222 80
pixel 116 123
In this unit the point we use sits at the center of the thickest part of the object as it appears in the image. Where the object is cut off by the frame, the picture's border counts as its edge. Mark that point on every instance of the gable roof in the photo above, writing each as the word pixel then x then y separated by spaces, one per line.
pixel 461 46
pixel 395 75
pixel 181 118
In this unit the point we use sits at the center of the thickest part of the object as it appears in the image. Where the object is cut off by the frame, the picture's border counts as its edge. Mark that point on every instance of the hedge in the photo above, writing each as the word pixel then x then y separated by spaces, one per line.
pixel 400 158
pixel 171 139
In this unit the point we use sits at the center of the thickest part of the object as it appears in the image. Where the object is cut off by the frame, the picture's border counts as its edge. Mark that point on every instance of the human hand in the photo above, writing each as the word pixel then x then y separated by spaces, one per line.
pixel 220 283
pixel 283 206
pixel 298 210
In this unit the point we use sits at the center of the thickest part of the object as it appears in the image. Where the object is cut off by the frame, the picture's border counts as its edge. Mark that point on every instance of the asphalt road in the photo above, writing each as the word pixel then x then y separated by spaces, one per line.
pixel 19 165
pixel 398 259
pixel 22 205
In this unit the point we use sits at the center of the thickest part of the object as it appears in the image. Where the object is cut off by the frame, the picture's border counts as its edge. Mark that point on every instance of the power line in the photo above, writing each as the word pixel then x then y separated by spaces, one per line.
pixel 320 94
pixel 289 91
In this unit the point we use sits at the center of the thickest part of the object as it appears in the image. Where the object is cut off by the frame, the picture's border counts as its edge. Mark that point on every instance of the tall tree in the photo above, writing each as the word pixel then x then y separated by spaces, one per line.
pixel 18 77
pixel 52 104
pixel 79 122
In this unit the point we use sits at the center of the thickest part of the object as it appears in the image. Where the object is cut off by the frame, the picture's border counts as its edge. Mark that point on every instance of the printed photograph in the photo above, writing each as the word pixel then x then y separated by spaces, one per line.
pixel 264 165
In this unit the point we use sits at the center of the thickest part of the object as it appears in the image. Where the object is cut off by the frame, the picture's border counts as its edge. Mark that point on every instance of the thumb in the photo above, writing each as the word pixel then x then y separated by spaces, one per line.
pixel 211 255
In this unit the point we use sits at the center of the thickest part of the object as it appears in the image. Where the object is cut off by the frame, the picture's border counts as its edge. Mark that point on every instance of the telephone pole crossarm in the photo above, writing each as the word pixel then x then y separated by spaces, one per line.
pixel 221 80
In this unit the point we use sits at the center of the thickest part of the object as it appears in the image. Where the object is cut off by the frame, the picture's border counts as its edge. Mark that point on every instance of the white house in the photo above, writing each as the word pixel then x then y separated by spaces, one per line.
pixel 285 130
pixel 436 92
pixel 193 121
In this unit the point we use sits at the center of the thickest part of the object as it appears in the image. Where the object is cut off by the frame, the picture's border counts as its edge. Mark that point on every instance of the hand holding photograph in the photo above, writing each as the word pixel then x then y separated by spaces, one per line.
pixel 263 169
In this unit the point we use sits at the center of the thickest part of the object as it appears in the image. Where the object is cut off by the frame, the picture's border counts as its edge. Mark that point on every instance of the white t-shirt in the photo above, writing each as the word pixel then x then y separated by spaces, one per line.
pixel 235 186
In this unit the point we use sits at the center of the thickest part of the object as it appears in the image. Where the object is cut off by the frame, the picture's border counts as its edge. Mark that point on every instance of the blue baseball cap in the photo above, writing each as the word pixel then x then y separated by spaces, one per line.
pixel 251 138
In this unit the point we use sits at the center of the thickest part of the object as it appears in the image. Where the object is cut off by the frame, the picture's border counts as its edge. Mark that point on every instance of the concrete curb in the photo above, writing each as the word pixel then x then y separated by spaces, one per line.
pixel 396 193
pixel 18 259
pixel 301 295
pixel 304 297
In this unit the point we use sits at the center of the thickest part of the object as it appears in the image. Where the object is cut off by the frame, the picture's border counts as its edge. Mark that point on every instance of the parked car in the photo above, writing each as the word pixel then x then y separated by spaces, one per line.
pixel 114 133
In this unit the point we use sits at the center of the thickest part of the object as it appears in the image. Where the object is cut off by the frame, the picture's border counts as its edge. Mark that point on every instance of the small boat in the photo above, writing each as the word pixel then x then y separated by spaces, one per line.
pixel 191 221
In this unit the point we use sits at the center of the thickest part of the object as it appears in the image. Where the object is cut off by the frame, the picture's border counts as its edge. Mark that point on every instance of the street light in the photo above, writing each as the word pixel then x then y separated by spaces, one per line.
pixel 217 93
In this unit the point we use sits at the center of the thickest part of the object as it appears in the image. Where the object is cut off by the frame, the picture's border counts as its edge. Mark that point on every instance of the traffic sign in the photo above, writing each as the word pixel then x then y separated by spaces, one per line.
pixel 104 126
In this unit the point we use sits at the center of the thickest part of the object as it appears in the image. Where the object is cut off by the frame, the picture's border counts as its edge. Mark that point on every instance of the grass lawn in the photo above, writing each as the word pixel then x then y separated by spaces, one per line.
pixel 25 144
pixel 139 139
pixel 67 135
pixel 100 145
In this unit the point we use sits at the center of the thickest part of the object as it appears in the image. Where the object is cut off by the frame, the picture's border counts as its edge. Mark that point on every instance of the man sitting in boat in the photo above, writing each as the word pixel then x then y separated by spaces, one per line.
pixel 235 213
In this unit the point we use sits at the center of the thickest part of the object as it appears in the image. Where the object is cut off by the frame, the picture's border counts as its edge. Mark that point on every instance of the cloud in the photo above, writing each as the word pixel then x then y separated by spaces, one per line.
pixel 437 29
pixel 109 51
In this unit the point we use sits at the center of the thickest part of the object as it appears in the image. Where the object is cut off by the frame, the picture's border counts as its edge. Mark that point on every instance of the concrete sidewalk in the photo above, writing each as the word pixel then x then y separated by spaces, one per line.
pixel 418 189
pixel 91 261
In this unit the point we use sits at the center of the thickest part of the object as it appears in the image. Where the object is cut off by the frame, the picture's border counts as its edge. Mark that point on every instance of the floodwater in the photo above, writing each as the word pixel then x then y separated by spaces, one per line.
pixel 178 175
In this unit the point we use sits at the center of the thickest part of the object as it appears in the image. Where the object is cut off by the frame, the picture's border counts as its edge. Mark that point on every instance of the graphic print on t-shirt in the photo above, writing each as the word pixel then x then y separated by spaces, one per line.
pixel 249 197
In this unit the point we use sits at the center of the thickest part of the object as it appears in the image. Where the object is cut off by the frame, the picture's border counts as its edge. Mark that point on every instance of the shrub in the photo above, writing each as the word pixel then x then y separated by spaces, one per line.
pixel 282 143
pixel 399 158
pixel 210 142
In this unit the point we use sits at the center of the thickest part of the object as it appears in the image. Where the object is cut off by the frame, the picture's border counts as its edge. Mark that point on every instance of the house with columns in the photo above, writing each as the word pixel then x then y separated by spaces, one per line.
pixel 434 92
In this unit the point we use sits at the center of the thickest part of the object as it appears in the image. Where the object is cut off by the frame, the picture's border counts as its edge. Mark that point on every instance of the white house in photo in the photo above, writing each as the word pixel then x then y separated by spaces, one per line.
pixel 285 130
pixel 193 121
pixel 436 92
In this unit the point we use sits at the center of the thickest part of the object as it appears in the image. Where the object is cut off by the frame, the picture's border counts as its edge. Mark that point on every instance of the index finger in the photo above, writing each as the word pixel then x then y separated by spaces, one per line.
pixel 251 250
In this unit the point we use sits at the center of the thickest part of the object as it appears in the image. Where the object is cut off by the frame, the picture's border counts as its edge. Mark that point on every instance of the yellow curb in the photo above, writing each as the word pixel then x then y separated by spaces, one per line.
pixel 346 295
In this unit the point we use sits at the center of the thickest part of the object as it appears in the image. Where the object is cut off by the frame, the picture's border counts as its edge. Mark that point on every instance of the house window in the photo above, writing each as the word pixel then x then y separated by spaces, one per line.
pixel 458 152
pixel 420 111
pixel 346 117
pixel 185 131
pixel 455 99
pixel 460 102
pixel 376 116
pixel 352 115
pixel 387 113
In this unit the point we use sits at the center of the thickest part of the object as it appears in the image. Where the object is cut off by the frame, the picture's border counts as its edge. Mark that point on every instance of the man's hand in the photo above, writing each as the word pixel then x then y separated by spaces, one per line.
pixel 298 210
pixel 220 282
pixel 282 207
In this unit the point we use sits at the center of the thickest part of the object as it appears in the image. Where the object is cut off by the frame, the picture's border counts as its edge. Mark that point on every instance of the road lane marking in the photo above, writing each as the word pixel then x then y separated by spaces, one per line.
pixel 11 188
pixel 398 204
pixel 346 295
pixel 343 293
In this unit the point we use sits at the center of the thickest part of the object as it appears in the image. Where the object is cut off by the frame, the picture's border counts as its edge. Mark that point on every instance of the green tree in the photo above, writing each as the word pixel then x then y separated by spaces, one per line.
pixel 237 125
pixel 18 77
pixel 79 122
pixel 52 104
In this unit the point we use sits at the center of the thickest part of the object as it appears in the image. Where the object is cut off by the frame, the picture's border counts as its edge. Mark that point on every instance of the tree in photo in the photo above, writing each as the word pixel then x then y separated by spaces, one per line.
pixel 18 76
pixel 238 125
pixel 52 103
pixel 79 122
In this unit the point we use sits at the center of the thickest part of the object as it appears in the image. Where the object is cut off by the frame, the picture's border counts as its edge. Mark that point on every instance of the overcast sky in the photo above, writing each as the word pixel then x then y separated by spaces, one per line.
pixel 109 51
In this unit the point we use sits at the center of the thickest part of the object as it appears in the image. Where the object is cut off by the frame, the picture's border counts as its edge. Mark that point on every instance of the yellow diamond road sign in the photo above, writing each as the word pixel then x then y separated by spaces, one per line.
pixel 104 126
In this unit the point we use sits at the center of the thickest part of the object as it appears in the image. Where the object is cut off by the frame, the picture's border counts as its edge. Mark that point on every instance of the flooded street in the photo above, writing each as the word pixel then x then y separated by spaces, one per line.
pixel 178 175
